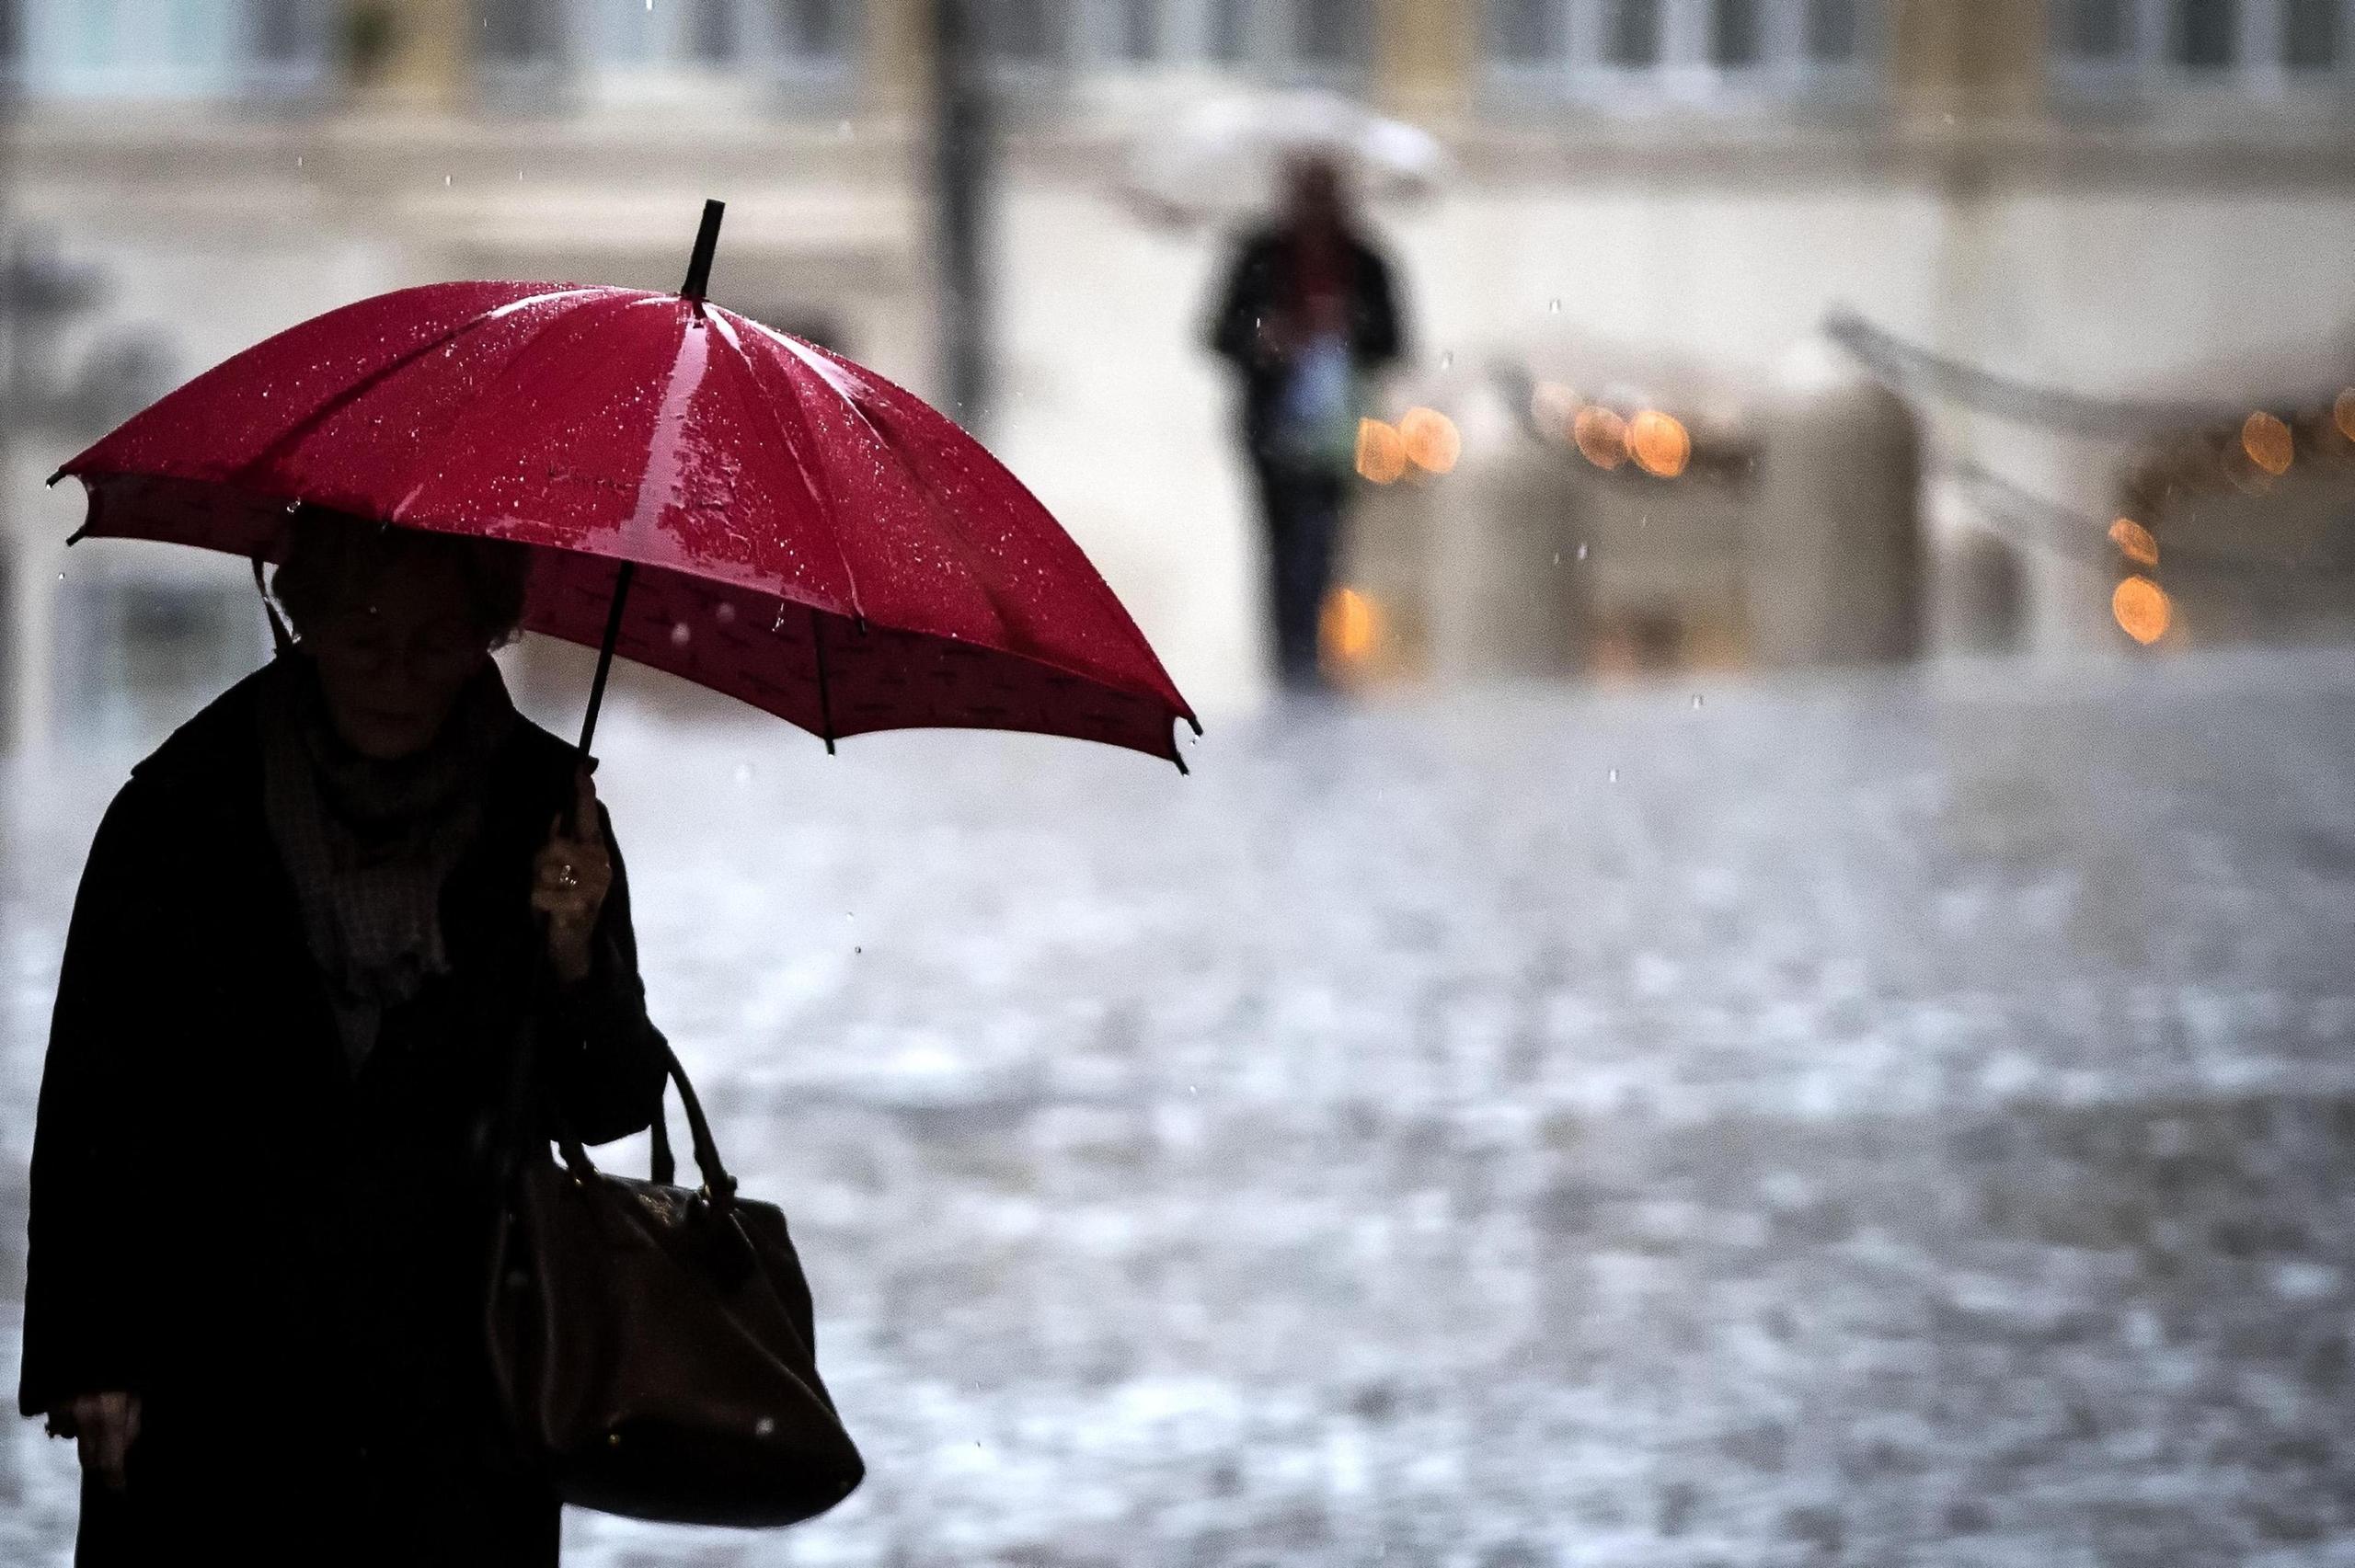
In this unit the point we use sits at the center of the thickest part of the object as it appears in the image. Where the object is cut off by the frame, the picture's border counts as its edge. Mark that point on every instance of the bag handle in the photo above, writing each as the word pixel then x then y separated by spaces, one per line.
pixel 718 1187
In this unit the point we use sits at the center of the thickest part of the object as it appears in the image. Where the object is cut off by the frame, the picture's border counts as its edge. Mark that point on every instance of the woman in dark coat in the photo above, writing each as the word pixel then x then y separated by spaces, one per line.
pixel 310 930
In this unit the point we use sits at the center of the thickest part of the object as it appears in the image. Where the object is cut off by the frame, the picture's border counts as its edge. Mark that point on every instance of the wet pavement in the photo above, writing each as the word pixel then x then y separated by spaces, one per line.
pixel 1877 1119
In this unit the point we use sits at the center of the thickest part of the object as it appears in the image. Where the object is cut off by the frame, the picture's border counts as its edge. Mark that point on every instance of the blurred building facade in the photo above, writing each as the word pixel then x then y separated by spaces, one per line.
pixel 1656 203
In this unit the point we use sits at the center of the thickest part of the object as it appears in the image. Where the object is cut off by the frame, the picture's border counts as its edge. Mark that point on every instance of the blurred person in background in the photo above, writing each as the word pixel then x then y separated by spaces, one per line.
pixel 1306 314
pixel 309 933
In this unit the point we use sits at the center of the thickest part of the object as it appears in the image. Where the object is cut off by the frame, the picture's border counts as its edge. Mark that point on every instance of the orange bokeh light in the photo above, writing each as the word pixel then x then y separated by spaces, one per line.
pixel 1602 435
pixel 1432 441
pixel 2134 542
pixel 1660 443
pixel 1382 452
pixel 1552 407
pixel 1349 626
pixel 2141 609
pixel 2342 412
pixel 2268 442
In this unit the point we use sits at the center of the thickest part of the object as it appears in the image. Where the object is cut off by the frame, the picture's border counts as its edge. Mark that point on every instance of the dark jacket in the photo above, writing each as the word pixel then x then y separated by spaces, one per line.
pixel 281 1258
pixel 1259 285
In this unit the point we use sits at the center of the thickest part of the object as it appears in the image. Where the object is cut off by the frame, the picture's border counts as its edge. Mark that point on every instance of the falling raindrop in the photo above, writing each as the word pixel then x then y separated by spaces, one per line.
pixel 1558 557
pixel 446 179
pixel 859 949
pixel 1614 775
pixel 1553 307
pixel 60 577
pixel 298 160
pixel 1447 359
pixel 844 131
pixel 743 773
pixel 1581 549
pixel 679 634
pixel 1697 699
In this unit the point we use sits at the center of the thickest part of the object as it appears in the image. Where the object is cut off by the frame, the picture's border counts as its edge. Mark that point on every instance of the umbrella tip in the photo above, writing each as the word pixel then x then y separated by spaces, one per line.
pixel 706 244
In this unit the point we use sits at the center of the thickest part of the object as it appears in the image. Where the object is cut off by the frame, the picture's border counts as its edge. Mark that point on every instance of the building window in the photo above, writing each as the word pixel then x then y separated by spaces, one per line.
pixel 275 31
pixel 1026 32
pixel 2205 34
pixel 1140 38
pixel 1229 31
pixel 813 30
pixel 1330 34
pixel 521 32
pixel 1319 39
pixel 1631 34
pixel 2094 30
pixel 1701 53
pixel 1524 32
pixel 1736 39
pixel 2310 34
pixel 1833 30
pixel 188 49
pixel 2252 48
pixel 717 38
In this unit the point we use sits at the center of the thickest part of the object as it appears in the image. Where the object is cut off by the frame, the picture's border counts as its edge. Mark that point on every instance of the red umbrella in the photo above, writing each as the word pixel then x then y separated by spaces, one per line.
pixel 702 494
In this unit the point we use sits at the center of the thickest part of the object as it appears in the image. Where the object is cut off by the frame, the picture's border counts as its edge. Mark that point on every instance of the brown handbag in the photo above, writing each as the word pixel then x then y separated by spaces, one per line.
pixel 653 1347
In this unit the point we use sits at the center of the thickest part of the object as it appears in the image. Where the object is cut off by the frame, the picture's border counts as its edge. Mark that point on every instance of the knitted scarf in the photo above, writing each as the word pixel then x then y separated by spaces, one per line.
pixel 369 844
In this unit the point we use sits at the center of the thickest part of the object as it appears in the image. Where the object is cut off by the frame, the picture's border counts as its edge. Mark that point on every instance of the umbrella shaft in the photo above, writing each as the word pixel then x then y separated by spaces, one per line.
pixel 605 654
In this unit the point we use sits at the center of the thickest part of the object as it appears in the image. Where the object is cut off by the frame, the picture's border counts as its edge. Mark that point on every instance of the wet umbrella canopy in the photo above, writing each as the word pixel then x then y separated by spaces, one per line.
pixel 703 494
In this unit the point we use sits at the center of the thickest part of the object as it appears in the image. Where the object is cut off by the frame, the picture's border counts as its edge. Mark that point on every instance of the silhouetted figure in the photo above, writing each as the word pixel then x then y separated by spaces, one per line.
pixel 310 927
pixel 1306 314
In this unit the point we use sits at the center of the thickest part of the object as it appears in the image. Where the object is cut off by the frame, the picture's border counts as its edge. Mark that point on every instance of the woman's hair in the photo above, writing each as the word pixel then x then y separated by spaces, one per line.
pixel 332 558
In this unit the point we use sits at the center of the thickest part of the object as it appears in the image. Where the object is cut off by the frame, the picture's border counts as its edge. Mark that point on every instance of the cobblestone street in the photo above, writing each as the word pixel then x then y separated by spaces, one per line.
pixel 1876 1119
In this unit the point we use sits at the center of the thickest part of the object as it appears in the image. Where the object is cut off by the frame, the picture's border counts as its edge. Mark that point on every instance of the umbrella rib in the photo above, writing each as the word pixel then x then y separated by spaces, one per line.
pixel 949 527
pixel 946 520
pixel 825 698
pixel 302 429
pixel 506 372
pixel 826 502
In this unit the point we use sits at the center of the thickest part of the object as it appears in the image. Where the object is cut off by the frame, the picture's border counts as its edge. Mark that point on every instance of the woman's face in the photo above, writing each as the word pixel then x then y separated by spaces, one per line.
pixel 393 662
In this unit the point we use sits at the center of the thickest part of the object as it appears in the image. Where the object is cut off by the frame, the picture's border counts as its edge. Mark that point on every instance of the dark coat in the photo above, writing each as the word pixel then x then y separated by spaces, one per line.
pixel 281 1258
pixel 1259 285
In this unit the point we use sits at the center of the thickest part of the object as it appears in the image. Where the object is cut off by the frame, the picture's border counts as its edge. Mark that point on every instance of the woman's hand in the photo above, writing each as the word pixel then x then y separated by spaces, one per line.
pixel 103 1426
pixel 570 881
